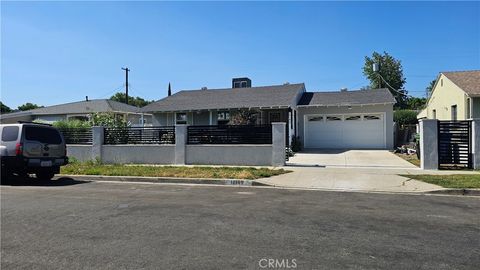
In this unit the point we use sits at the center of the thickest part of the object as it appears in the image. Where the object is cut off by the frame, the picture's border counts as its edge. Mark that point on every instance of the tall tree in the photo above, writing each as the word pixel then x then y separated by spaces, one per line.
pixel 169 90
pixel 389 75
pixel 4 108
pixel 430 87
pixel 134 101
pixel 416 103
pixel 29 106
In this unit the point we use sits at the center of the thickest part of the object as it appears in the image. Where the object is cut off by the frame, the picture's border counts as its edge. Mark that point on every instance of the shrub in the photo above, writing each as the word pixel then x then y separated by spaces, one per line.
pixel 296 144
pixel 405 117
pixel 65 124
pixel 243 117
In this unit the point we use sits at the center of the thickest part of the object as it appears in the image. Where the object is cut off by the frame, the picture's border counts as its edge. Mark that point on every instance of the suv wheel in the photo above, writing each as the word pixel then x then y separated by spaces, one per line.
pixel 44 175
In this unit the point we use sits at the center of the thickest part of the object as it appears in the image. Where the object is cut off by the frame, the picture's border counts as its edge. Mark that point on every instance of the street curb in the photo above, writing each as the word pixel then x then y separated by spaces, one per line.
pixel 170 180
pixel 457 191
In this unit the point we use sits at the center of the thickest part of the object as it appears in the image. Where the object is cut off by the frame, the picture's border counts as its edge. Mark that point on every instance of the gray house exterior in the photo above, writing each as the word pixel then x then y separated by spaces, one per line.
pixel 360 119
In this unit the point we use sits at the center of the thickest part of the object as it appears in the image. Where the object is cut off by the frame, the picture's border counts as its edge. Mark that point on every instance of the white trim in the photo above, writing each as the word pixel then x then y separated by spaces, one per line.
pixel 343 105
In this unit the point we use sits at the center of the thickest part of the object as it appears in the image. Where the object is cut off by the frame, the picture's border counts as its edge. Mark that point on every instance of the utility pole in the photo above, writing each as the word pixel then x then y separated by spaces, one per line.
pixel 126 83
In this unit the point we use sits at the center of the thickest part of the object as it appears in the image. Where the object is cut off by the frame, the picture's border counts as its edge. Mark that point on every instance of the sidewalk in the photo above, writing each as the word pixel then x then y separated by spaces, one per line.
pixel 355 179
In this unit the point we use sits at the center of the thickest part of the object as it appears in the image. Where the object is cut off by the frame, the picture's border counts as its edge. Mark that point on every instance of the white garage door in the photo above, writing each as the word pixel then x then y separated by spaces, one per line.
pixel 361 131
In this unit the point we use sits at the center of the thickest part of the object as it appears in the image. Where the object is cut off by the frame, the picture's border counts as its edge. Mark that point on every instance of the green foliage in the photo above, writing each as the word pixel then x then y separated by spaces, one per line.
pixel 405 117
pixel 107 119
pixel 134 101
pixel 243 117
pixel 28 106
pixel 4 108
pixel 296 144
pixel 415 103
pixel 391 70
pixel 430 86
pixel 72 124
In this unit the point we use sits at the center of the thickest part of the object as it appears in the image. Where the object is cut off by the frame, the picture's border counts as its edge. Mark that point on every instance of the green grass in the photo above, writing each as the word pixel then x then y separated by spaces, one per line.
pixel 92 168
pixel 449 181
pixel 410 158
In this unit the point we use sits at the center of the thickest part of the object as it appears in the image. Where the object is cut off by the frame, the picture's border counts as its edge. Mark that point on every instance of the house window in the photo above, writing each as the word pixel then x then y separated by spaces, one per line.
pixel 434 114
pixel 371 117
pixel 334 118
pixel 353 118
pixel 274 117
pixel 315 118
pixel 441 82
pixel 454 112
pixel 468 109
pixel 223 117
pixel 181 118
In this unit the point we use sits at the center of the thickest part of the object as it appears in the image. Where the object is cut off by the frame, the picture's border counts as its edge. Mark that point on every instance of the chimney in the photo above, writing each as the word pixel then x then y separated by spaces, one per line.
pixel 344 89
pixel 86 98
pixel 241 82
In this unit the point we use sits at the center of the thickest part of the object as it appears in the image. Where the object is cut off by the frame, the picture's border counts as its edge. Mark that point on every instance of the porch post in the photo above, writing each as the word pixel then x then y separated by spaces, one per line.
pixel 97 142
pixel 429 144
pixel 180 143
pixel 278 143
pixel 476 143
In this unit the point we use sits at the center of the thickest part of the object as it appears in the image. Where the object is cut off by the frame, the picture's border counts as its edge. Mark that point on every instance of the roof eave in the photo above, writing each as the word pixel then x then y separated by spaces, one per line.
pixel 345 105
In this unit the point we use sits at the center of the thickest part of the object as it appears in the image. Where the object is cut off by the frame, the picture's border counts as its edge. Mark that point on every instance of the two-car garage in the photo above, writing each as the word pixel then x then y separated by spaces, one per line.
pixel 345 131
pixel 346 119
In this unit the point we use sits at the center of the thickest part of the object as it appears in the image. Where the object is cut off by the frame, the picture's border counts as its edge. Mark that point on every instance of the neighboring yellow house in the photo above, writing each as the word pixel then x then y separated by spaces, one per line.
pixel 455 96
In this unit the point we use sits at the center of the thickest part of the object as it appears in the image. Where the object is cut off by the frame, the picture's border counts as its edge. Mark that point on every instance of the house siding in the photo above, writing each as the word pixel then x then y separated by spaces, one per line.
pixel 387 109
pixel 444 96
pixel 50 118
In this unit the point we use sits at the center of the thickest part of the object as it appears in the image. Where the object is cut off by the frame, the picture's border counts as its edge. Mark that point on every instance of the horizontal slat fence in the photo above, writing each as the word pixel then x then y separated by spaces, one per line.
pixel 454 144
pixel 230 134
pixel 139 135
pixel 77 135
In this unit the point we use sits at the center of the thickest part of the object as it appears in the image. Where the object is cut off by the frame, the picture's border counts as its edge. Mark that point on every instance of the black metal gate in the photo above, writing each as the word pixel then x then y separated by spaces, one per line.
pixel 454 144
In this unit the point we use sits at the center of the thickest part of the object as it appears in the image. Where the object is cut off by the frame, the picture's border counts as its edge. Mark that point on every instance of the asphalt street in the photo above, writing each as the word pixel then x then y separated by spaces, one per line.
pixel 69 224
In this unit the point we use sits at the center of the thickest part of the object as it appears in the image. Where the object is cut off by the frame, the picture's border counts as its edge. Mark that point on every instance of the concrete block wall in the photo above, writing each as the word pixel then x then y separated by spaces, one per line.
pixel 181 153
pixel 428 144
pixel 476 143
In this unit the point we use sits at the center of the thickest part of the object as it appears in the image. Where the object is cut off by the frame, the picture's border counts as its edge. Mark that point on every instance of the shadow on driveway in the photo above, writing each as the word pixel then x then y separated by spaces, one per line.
pixel 33 181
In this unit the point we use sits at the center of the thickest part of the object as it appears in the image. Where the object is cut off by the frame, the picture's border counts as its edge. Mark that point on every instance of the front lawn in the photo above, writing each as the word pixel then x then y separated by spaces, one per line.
pixel 449 181
pixel 91 168
pixel 410 158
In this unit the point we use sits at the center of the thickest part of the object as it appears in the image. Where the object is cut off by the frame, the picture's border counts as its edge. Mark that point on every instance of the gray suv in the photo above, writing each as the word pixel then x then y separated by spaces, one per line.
pixel 31 148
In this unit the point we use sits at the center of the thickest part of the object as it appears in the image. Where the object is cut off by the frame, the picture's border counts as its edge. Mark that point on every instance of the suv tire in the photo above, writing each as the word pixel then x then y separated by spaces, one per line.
pixel 45 175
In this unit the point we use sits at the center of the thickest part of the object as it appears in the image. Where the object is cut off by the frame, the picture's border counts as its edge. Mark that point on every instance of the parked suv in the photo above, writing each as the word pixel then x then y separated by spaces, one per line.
pixel 32 148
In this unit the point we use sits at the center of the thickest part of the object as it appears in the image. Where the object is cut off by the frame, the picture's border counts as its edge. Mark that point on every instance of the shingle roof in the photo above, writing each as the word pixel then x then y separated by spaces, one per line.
pixel 345 98
pixel 468 81
pixel 228 98
pixel 81 107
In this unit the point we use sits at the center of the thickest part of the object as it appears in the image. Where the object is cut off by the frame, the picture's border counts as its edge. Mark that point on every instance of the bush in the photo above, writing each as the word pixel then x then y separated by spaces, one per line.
pixel 405 117
pixel 65 124
pixel 296 144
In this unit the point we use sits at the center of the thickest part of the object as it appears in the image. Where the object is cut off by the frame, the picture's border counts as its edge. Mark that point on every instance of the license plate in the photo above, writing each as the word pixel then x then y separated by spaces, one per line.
pixel 46 163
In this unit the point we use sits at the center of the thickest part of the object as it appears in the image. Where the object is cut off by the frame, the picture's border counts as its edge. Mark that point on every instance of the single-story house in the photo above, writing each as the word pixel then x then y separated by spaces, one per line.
pixel 79 110
pixel 455 96
pixel 360 119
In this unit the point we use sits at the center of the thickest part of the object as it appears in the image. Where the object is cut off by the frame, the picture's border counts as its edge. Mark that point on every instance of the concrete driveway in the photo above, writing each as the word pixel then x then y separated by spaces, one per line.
pixel 348 159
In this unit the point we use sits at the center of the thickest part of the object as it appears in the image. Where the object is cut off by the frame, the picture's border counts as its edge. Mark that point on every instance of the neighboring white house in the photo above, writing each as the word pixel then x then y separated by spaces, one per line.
pixel 80 110
pixel 360 119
